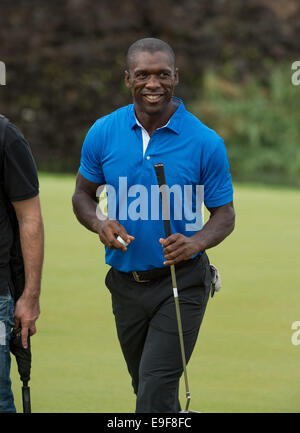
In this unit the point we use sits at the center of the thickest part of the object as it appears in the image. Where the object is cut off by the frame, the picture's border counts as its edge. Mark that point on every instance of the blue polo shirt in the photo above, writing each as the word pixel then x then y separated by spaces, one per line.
pixel 195 160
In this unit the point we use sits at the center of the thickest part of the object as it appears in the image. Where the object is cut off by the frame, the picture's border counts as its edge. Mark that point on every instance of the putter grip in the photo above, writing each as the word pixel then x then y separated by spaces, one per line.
pixel 26 399
pixel 161 180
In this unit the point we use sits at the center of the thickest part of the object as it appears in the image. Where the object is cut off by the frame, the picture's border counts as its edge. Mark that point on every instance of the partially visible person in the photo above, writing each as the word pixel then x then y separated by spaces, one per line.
pixel 21 248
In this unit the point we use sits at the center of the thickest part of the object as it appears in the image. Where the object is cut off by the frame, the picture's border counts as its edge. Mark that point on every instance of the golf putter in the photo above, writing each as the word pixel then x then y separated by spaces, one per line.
pixel 23 358
pixel 161 180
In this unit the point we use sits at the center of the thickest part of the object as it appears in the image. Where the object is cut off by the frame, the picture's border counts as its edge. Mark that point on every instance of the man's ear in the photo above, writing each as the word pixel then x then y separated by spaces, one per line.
pixel 176 76
pixel 127 79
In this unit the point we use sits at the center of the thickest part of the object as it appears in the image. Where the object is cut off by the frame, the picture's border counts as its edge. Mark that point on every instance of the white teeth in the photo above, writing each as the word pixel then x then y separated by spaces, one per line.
pixel 153 97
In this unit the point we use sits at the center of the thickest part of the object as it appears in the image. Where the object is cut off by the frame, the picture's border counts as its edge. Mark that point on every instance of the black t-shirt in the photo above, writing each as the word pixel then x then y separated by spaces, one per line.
pixel 20 182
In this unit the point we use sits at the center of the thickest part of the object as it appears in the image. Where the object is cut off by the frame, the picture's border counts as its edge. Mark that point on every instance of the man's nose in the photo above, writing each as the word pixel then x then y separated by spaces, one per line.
pixel 152 82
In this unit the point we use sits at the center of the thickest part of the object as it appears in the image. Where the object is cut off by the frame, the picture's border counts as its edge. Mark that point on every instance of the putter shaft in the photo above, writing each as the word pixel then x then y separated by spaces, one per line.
pixel 180 332
pixel 160 175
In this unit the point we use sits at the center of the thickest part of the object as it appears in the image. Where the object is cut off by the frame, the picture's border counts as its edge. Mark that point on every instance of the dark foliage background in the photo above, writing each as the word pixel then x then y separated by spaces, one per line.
pixel 65 62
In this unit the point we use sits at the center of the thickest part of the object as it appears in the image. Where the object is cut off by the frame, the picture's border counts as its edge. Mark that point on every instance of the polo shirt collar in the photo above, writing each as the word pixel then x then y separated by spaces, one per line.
pixel 175 122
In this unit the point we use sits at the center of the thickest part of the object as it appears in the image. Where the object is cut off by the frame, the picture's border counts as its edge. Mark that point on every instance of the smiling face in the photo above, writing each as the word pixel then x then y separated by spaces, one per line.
pixel 152 78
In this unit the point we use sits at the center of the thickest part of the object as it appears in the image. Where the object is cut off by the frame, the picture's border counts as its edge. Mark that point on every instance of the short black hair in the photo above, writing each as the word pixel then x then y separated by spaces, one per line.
pixel 150 45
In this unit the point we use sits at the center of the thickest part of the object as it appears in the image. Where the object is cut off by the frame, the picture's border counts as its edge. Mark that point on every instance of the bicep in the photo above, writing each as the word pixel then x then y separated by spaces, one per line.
pixel 226 210
pixel 85 186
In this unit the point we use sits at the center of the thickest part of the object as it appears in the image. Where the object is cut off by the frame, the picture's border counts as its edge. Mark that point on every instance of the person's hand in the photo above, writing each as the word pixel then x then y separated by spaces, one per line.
pixel 178 247
pixel 27 311
pixel 109 230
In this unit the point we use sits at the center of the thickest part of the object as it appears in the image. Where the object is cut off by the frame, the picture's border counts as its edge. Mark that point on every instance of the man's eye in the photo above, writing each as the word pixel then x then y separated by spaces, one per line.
pixel 164 74
pixel 141 75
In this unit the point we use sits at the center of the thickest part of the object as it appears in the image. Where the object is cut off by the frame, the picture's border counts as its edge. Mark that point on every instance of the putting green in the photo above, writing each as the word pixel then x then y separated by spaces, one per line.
pixel 244 360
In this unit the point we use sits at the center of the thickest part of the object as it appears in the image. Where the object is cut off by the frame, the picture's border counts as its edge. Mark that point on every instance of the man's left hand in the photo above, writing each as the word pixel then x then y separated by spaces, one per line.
pixel 178 247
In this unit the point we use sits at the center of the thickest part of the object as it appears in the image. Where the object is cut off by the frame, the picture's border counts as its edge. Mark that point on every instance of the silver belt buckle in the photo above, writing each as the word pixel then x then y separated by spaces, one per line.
pixel 138 279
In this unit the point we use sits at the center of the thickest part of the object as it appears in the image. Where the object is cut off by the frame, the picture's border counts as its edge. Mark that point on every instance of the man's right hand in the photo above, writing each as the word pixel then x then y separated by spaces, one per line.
pixel 27 312
pixel 108 231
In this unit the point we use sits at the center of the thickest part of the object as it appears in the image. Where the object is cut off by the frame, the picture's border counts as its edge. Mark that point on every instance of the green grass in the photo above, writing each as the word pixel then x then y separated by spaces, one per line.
pixel 244 360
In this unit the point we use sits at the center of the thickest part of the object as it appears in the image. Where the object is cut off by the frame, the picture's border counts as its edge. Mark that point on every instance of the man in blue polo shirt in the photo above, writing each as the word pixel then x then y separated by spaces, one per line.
pixel 120 151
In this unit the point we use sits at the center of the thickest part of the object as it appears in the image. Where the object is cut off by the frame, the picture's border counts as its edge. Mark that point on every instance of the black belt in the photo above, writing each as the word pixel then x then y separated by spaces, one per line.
pixel 154 274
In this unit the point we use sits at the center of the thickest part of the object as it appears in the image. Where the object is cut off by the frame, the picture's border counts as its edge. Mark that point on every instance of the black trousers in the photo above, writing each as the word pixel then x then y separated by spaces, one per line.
pixel 147 329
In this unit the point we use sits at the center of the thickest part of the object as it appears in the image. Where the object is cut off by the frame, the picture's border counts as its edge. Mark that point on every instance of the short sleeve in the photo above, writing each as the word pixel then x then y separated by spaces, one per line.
pixel 215 176
pixel 20 172
pixel 90 165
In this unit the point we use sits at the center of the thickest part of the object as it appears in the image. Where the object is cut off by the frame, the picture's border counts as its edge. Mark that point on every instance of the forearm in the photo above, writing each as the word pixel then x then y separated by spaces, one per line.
pixel 217 228
pixel 27 308
pixel 32 243
pixel 89 214
pixel 87 211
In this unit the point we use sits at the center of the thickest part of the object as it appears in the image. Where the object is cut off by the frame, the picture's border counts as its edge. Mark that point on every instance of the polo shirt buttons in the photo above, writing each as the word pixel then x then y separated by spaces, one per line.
pixel 148 157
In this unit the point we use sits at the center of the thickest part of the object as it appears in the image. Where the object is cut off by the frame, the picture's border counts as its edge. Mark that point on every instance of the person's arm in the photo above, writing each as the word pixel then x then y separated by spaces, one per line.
pixel 85 206
pixel 178 247
pixel 27 309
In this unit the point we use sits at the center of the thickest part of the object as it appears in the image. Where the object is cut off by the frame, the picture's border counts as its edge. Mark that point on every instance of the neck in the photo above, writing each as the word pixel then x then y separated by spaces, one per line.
pixel 156 120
